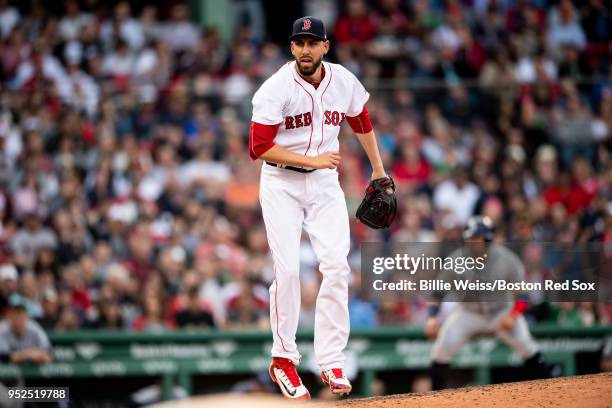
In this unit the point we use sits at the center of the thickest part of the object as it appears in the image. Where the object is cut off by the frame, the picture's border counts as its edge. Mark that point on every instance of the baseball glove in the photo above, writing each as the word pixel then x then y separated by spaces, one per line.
pixel 379 206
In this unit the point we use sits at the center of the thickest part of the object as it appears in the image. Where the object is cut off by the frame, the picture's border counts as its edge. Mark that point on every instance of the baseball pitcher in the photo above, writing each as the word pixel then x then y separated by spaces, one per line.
pixel 297 114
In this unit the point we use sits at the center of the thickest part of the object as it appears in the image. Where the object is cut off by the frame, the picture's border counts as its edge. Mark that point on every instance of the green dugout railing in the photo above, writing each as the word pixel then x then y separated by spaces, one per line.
pixel 178 356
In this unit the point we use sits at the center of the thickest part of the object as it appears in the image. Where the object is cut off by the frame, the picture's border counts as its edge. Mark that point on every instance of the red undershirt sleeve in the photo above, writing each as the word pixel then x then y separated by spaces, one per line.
pixel 261 138
pixel 360 123
pixel 520 305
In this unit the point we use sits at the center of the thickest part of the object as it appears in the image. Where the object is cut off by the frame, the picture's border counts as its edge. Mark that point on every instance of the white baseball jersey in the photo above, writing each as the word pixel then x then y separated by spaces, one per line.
pixel 309 118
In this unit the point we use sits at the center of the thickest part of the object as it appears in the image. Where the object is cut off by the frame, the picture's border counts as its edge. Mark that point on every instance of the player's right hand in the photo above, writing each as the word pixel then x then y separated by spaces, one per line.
pixel 432 327
pixel 327 160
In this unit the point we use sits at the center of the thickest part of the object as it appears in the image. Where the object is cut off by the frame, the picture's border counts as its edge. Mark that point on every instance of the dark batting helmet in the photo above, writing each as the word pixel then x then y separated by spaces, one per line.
pixel 479 226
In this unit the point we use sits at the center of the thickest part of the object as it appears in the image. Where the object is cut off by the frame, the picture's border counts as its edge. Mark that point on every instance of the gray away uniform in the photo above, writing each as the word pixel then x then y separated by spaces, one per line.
pixel 472 318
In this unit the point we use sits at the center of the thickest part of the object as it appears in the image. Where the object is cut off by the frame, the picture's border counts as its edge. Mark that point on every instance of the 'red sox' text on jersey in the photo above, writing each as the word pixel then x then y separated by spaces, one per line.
pixel 309 117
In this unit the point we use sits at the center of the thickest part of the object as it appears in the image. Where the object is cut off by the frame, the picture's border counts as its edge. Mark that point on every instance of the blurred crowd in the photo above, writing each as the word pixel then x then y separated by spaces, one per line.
pixel 128 199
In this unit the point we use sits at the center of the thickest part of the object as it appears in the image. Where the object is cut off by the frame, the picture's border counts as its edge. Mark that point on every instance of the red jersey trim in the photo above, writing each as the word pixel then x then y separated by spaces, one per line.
pixel 360 123
pixel 261 138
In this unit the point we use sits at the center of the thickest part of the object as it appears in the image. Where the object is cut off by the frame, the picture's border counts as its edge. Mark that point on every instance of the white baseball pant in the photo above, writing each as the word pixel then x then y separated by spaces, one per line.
pixel 314 201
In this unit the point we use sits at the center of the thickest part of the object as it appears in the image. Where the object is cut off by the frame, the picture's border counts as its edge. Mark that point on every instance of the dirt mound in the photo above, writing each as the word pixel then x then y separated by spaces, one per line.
pixel 587 391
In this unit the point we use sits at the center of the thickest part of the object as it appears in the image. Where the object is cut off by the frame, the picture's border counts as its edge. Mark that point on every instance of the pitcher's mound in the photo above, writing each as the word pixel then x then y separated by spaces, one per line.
pixel 586 391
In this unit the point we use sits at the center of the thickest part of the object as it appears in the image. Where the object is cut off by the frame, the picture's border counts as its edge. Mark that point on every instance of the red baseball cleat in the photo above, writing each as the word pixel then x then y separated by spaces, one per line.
pixel 337 381
pixel 283 373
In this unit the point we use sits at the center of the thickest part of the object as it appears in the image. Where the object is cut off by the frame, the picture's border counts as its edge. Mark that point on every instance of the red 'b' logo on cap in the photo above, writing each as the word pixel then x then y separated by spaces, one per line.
pixel 306 25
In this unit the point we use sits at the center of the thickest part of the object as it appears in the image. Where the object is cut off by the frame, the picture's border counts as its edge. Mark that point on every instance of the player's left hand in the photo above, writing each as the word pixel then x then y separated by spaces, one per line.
pixel 507 323
pixel 376 174
pixel 379 205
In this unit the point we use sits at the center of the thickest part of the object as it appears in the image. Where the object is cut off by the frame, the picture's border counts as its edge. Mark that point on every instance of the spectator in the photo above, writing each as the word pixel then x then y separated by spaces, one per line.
pixel 40 67
pixel 31 238
pixel 8 285
pixel 21 339
pixel 14 52
pixel 78 90
pixel 109 316
pixel 595 18
pixel 50 310
pixel 587 313
pixel 412 228
pixel 192 314
pixel 179 33
pixel 122 26
pixel 519 15
pixel 69 320
pixel 355 28
pixel 413 171
pixel 247 308
pixel 121 63
pixel 9 18
pixel 574 132
pixel 564 28
pixel 149 22
pixel 572 66
pixel 28 287
pixel 393 314
pixel 151 320
pixel 567 315
pixel 73 21
pixel 457 195
pixel 140 259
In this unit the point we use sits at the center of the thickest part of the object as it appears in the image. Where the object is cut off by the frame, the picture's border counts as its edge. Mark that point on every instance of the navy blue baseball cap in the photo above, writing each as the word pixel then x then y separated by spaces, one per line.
pixel 308 27
pixel 479 226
